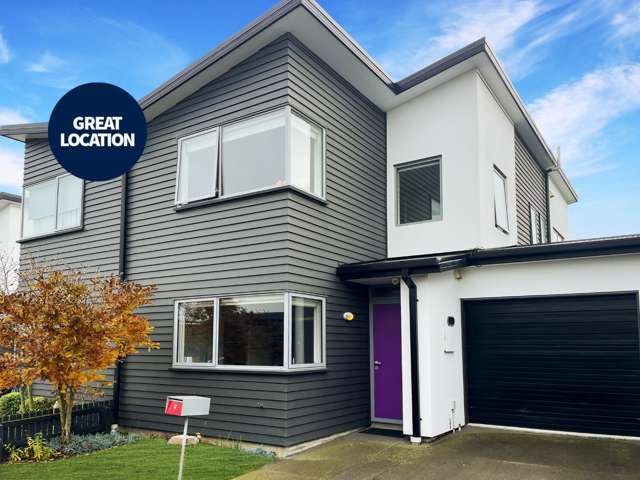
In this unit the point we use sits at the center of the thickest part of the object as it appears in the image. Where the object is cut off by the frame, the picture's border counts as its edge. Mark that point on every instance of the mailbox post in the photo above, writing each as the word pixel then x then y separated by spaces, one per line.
pixel 186 406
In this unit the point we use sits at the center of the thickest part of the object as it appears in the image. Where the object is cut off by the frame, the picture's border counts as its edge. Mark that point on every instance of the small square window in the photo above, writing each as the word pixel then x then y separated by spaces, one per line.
pixel 500 200
pixel 418 192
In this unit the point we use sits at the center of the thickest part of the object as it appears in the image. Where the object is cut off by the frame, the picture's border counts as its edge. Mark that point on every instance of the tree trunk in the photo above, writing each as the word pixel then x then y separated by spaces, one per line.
pixel 23 407
pixel 65 399
pixel 29 399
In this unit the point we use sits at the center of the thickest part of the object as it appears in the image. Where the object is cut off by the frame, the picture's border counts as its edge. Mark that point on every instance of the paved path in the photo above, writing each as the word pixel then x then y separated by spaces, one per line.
pixel 475 453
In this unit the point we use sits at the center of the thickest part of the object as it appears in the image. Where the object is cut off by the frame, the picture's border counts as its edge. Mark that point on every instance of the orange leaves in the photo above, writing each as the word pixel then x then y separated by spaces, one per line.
pixel 65 328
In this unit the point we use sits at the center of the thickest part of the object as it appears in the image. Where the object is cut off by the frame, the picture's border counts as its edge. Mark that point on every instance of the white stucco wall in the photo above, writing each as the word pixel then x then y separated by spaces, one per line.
pixel 559 211
pixel 440 296
pixel 461 122
pixel 10 230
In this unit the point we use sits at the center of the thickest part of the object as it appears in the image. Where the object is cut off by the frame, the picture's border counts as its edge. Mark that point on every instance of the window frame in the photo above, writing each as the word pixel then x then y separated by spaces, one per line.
pixel 56 230
pixel 177 333
pixel 414 164
pixel 505 230
pixel 216 189
pixel 534 228
pixel 218 195
pixel 287 366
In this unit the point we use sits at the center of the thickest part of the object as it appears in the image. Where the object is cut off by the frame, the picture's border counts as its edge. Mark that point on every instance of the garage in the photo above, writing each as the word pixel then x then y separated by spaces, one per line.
pixel 567 363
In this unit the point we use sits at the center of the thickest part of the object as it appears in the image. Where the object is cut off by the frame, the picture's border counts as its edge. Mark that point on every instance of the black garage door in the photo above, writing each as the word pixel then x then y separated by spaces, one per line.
pixel 559 363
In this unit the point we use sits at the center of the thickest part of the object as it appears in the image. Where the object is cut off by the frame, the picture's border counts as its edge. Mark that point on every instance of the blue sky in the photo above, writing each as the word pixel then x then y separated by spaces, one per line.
pixel 576 64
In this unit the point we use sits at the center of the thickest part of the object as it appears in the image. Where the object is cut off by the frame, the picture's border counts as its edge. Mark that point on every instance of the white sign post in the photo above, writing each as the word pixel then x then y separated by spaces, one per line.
pixel 186 406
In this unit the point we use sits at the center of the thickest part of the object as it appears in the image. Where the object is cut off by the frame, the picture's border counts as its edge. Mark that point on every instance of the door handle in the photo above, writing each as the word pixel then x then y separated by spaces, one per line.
pixel 377 363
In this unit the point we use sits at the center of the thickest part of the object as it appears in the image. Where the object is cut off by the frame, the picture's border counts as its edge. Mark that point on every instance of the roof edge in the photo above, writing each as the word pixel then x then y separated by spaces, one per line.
pixel 596 247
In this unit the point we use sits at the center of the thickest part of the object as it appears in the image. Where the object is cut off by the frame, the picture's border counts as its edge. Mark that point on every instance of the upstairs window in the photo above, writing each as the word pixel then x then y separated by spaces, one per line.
pixel 198 166
pixel 272 150
pixel 534 219
pixel 500 200
pixel 418 194
pixel 52 206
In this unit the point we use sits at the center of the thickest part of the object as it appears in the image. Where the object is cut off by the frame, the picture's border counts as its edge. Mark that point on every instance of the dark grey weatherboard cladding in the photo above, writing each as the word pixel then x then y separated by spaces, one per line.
pixel 530 191
pixel 351 226
pixel 274 241
pixel 95 247
pixel 567 363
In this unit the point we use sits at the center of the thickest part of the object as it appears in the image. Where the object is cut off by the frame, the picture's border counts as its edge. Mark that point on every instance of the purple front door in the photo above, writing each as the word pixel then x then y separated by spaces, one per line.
pixel 387 362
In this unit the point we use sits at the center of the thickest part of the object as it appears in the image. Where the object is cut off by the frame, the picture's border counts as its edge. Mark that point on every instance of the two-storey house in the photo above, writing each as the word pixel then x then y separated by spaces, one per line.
pixel 334 249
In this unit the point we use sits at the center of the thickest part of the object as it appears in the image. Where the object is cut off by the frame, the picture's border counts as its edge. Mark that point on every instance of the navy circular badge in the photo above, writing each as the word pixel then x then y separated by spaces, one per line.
pixel 97 131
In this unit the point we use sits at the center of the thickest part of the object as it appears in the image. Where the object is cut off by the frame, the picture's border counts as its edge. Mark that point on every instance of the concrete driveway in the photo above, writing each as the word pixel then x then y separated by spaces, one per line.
pixel 475 453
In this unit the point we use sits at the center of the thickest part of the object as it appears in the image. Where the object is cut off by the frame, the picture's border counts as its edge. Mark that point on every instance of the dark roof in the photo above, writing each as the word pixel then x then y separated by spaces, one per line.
pixel 527 253
pixel 12 197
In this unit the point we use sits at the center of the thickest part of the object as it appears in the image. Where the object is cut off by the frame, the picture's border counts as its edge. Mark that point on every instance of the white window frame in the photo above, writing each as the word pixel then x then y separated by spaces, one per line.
pixel 409 166
pixel 288 112
pixel 533 225
pixel 503 177
pixel 216 187
pixel 286 350
pixel 55 230
pixel 178 332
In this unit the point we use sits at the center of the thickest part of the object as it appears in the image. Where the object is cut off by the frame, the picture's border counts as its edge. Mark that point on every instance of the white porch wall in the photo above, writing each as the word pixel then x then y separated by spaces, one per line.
pixel 440 295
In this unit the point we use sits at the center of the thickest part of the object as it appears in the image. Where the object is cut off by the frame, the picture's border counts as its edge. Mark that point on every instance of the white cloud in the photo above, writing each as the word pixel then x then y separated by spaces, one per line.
pixel 9 116
pixel 456 26
pixel 5 53
pixel 574 115
pixel 521 31
pixel 46 63
pixel 11 167
pixel 627 24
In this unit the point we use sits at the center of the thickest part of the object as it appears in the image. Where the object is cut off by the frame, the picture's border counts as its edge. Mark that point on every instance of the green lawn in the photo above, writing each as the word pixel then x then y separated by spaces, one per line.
pixel 150 459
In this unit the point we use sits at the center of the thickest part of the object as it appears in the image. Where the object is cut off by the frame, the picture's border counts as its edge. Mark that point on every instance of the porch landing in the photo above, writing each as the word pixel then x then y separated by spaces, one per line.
pixel 474 453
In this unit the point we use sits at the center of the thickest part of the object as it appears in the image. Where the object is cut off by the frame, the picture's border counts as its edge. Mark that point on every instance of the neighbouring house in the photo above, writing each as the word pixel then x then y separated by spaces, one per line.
pixel 9 236
pixel 288 181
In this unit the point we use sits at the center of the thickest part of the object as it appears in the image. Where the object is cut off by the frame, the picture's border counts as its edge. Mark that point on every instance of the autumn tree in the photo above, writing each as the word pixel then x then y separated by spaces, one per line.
pixel 66 328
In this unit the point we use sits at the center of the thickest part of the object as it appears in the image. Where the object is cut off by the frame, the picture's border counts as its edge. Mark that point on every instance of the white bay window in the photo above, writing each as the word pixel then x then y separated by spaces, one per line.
pixel 275 149
pixel 52 206
pixel 276 331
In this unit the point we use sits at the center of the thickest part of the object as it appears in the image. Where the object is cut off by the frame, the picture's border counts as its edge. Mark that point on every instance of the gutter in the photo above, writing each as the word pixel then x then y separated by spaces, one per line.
pixel 416 437
pixel 122 273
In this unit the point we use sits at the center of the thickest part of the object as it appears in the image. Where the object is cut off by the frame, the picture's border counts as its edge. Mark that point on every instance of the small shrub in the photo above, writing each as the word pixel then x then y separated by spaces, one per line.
pixel 90 443
pixel 10 404
pixel 37 450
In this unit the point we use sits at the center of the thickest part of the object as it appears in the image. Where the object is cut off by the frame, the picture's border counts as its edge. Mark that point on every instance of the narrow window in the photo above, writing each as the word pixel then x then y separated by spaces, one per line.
pixel 51 206
pixel 306 331
pixel 500 200
pixel 543 230
pixel 533 220
pixel 253 154
pixel 195 332
pixel 307 170
pixel 251 331
pixel 198 167
pixel 418 192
